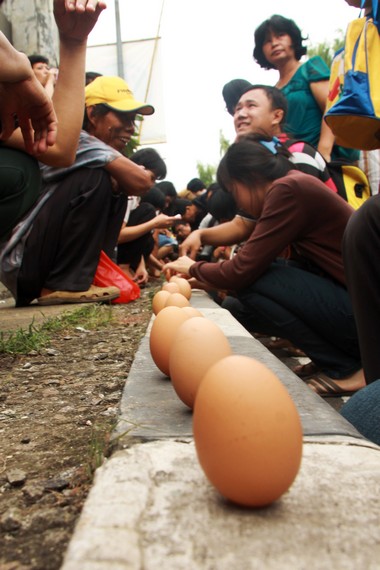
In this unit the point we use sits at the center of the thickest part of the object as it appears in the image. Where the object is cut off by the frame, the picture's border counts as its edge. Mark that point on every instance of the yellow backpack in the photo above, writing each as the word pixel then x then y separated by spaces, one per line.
pixel 351 182
pixel 353 107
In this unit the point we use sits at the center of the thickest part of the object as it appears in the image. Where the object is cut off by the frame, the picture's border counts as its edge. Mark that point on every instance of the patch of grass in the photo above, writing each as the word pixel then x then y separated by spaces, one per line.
pixel 23 341
pixel 99 446
pixel 36 338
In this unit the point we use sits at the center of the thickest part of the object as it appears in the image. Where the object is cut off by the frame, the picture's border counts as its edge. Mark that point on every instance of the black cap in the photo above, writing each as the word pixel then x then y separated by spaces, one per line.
pixel 232 91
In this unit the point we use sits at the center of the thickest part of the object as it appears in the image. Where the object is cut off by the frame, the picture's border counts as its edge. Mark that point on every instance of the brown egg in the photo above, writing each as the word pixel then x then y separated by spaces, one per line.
pixel 170 287
pixel 247 431
pixel 183 284
pixel 162 334
pixel 177 300
pixel 192 311
pixel 198 344
pixel 159 300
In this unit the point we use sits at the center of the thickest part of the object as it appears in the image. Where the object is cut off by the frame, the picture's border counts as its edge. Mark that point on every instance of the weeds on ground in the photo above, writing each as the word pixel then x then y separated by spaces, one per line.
pixel 103 443
pixel 99 447
pixel 35 338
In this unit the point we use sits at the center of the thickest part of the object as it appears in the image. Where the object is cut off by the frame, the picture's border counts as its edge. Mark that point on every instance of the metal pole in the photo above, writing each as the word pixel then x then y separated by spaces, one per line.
pixel 119 47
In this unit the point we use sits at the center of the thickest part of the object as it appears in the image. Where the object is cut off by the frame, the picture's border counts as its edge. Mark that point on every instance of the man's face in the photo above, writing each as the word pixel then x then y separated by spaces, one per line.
pixel 254 114
pixel 190 214
pixel 115 128
pixel 41 71
pixel 183 230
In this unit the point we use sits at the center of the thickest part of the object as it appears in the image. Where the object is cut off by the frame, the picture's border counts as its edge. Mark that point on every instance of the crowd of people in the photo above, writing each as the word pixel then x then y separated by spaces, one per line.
pixel 270 239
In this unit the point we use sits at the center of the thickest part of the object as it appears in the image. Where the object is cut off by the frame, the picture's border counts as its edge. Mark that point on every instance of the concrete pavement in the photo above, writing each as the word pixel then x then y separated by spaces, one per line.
pixel 151 507
pixel 12 318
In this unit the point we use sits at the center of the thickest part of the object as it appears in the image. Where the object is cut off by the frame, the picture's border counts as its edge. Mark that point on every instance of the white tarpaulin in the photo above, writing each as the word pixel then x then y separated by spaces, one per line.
pixel 136 25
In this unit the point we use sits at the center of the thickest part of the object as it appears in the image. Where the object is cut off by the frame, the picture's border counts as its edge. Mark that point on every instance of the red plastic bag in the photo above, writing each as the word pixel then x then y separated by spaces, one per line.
pixel 109 274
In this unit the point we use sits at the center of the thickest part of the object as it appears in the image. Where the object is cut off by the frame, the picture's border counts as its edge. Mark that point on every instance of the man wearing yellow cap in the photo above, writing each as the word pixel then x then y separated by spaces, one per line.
pixel 82 207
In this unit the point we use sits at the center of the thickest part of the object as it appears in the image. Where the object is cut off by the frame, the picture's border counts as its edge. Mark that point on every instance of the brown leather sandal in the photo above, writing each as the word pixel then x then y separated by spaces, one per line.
pixel 93 295
pixel 327 388
pixel 304 370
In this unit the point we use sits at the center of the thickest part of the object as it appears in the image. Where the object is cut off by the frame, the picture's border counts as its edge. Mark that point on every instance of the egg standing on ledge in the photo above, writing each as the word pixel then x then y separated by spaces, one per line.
pixel 159 300
pixel 162 334
pixel 247 431
pixel 198 344
pixel 183 284
pixel 177 300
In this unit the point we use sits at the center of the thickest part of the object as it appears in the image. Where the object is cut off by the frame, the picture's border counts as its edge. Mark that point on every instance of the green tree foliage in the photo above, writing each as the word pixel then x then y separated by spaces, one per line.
pixel 223 143
pixel 207 172
pixel 327 50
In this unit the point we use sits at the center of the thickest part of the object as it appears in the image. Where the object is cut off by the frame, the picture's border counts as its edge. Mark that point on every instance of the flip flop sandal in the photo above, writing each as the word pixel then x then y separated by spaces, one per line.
pixel 327 388
pixel 283 344
pixel 305 370
pixel 278 343
pixel 92 295
pixel 294 351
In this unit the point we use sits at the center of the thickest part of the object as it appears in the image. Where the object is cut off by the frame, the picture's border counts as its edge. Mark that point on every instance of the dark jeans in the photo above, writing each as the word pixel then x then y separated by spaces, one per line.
pixel 311 311
pixel 20 185
pixel 361 252
pixel 363 411
pixel 62 252
pixel 131 251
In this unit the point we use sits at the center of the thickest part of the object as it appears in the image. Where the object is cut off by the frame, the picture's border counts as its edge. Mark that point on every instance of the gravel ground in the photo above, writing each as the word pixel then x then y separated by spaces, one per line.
pixel 58 406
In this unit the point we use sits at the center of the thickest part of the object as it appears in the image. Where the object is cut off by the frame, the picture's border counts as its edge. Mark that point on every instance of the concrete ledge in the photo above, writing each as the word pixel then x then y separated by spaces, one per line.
pixel 150 408
pixel 152 508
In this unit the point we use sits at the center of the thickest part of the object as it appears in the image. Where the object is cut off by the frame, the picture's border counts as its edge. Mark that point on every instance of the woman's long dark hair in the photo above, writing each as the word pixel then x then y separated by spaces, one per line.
pixel 277 24
pixel 250 162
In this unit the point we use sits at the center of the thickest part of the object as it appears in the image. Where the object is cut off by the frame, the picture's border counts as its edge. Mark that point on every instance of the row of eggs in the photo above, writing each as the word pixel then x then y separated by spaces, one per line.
pixel 246 427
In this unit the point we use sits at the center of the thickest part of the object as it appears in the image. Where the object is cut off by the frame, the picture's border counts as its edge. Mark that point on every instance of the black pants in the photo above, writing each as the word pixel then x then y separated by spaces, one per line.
pixel 313 312
pixel 361 252
pixel 82 218
pixel 131 251
pixel 20 185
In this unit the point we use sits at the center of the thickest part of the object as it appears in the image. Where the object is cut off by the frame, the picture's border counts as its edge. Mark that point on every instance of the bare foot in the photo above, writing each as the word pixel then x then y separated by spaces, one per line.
pixel 325 386
pixel 45 292
pixel 127 270
pixel 353 382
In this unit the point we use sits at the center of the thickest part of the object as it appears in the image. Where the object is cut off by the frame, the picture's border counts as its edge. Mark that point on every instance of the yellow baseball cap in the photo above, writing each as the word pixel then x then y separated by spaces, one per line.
pixel 115 93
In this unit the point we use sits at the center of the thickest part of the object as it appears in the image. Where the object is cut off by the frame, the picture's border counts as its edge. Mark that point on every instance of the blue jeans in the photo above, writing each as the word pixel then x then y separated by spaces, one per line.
pixel 311 311
pixel 363 411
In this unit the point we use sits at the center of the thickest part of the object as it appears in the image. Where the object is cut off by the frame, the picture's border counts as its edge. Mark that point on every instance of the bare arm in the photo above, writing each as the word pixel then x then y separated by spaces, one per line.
pixel 228 233
pixel 320 91
pixel 131 178
pixel 130 233
pixel 75 20
pixel 24 100
pixel 141 273
pixel 15 65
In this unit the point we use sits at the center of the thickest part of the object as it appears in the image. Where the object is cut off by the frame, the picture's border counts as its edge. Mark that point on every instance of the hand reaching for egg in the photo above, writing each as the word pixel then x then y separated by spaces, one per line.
pixel 181 265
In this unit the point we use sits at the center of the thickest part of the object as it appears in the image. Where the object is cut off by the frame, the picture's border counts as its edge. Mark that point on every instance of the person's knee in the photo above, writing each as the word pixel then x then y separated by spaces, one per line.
pixel 362 411
pixel 363 225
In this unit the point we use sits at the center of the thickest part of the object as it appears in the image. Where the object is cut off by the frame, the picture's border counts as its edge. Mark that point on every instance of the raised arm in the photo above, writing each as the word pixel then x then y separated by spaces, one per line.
pixel 24 102
pixel 75 19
